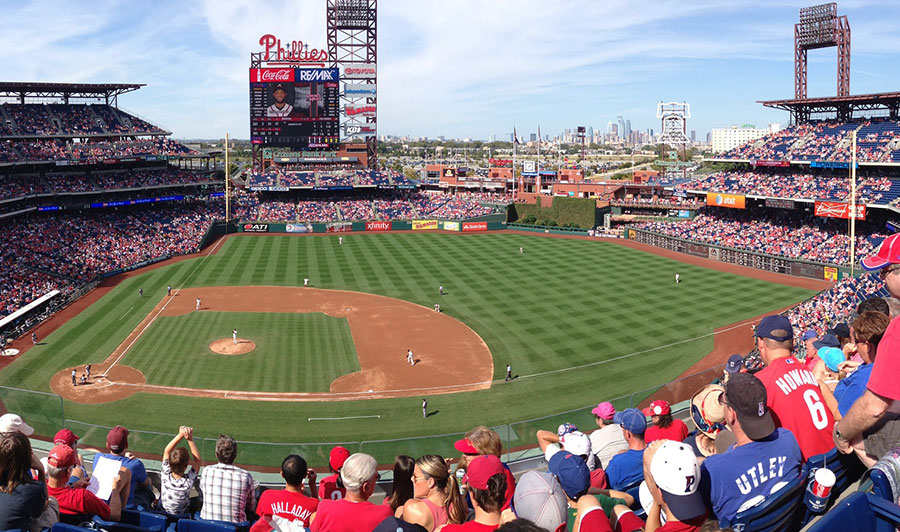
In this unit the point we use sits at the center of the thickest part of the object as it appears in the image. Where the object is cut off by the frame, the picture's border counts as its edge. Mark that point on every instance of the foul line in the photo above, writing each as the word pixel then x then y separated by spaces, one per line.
pixel 339 418
pixel 128 347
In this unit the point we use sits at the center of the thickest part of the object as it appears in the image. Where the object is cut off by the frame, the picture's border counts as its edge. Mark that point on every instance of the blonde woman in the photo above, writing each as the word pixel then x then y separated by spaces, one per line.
pixel 436 499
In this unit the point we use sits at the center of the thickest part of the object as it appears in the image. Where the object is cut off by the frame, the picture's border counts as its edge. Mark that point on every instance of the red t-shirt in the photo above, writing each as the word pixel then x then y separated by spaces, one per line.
pixel 328 488
pixel 794 397
pixel 598 479
pixel 471 526
pixel 75 501
pixel 883 380
pixel 348 516
pixel 284 510
pixel 677 431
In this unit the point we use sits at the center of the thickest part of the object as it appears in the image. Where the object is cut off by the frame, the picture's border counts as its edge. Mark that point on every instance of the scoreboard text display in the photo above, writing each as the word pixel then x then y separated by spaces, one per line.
pixel 295 107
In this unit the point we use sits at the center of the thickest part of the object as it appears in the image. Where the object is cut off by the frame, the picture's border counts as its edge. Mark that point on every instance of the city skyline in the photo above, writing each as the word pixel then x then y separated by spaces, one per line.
pixel 444 72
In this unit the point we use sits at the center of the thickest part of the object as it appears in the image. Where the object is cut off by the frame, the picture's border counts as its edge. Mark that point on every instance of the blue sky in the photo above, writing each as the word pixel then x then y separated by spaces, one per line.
pixel 460 68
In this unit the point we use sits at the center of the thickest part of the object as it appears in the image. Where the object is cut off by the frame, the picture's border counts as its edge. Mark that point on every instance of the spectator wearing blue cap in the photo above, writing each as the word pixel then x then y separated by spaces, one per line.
pixel 868 328
pixel 793 393
pixel 627 468
pixel 827 367
pixel 575 479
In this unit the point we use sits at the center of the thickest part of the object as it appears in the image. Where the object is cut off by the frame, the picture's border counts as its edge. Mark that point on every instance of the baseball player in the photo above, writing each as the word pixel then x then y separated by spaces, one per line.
pixel 198 303
pixel 677 278
pixel 340 240
pixel 141 292
pixel 410 357
pixel 169 290
pixel 234 336
pixel 306 281
pixel 521 250
pixel 280 108
pixel 424 408
pixel 441 289
pixel 437 308
pixel 508 373
pixel 83 379
pixel 74 372
pixel 34 338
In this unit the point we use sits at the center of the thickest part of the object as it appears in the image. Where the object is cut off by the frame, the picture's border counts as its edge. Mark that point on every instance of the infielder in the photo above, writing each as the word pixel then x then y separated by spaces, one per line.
pixel 169 290
pixel 141 292
pixel 410 357
pixel 441 289
pixel 87 370
pixel 74 372
pixel 521 250
pixel 437 308
pixel 34 338
pixel 234 336
pixel 508 373
pixel 677 278
pixel 198 303
pixel 424 408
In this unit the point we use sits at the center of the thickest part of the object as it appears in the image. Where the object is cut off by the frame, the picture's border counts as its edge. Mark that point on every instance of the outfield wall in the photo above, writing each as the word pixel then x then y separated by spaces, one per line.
pixel 752 259
pixel 379 226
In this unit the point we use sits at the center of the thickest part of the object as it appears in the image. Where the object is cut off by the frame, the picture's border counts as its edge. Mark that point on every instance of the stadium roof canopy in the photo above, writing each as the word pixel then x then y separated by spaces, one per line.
pixel 842 107
pixel 26 89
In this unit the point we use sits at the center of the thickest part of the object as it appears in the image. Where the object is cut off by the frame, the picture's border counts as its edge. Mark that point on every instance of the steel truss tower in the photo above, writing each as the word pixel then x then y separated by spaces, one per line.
pixel 821 27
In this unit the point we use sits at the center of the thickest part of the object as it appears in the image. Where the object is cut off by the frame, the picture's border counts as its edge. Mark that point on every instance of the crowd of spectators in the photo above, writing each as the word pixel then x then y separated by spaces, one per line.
pixel 394 209
pixel 498 198
pixel 835 305
pixel 17 151
pixel 356 209
pixel 638 200
pixel 784 234
pixel 448 207
pixel 878 140
pixel 71 120
pixel 870 190
pixel 19 185
pixel 45 251
pixel 332 176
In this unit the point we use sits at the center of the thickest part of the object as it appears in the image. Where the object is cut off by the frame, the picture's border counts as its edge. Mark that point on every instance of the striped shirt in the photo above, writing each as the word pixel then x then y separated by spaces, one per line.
pixel 227 491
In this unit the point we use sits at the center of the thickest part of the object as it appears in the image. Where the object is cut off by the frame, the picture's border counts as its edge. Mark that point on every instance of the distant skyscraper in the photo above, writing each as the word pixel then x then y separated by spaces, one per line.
pixel 610 128
pixel 693 135
pixel 590 133
pixel 533 137
pixel 628 128
pixel 492 137
pixel 621 122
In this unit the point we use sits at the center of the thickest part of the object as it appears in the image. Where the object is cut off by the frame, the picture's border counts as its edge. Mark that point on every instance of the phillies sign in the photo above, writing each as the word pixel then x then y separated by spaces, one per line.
pixel 365 110
pixel 272 75
pixel 833 209
pixel 293 51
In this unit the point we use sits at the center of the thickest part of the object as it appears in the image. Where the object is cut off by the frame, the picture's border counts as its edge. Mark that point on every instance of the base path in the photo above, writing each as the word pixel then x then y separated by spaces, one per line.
pixel 450 357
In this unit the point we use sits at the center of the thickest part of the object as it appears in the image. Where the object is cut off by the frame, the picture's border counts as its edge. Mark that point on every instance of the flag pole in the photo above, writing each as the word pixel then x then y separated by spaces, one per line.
pixel 853 206
pixel 515 143
pixel 227 187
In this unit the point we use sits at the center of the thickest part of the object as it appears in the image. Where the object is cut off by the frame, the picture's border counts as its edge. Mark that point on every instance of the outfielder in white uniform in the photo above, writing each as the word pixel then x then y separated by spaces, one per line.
pixel 340 240
pixel 441 289
pixel 306 281
pixel 677 278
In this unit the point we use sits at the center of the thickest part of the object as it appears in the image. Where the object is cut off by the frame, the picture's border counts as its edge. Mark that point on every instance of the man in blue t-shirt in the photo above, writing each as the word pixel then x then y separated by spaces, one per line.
pixel 627 468
pixel 762 460
pixel 866 332
pixel 141 493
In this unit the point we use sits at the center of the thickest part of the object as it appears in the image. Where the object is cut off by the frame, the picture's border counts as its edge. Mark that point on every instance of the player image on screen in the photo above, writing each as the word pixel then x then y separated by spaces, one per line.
pixel 281 106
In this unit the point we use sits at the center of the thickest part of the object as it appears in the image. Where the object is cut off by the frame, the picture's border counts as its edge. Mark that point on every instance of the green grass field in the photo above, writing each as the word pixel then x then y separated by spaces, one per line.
pixel 294 352
pixel 580 322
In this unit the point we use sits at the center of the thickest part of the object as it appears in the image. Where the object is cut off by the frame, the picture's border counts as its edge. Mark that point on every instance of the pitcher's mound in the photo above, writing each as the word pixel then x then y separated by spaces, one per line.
pixel 226 346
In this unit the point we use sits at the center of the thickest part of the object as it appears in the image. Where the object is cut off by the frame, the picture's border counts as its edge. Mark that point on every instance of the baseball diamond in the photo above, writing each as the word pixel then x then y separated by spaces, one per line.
pixel 543 311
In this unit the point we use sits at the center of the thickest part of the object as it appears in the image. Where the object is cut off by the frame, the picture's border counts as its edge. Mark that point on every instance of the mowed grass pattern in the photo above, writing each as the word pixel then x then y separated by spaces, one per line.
pixel 580 321
pixel 294 352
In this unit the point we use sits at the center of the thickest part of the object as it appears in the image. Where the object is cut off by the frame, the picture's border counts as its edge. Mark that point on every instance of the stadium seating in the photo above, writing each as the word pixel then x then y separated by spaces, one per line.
pixel 847 469
pixel 780 511
pixel 860 512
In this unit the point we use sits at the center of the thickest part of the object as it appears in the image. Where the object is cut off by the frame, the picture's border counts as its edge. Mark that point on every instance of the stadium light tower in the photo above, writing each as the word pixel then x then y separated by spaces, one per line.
pixel 352 47
pixel 821 27
pixel 674 117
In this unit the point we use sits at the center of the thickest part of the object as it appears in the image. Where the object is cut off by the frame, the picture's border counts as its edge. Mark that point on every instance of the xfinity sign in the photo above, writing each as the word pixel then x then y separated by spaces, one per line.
pixel 317 74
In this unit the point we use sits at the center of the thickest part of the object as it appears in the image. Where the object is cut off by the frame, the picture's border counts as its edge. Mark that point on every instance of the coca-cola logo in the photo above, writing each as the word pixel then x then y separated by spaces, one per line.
pixel 283 74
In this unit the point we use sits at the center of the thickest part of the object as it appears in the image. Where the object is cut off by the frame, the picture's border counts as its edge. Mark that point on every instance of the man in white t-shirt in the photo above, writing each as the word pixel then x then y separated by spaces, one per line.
pixel 607 441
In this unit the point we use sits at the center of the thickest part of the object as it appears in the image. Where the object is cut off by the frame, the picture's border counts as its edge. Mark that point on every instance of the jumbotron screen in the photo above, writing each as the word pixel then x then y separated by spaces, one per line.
pixel 295 107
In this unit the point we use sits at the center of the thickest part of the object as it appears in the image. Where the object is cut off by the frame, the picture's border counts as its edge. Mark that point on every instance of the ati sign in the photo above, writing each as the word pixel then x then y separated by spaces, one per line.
pixel 292 51
pixel 365 110
pixel 833 209
pixel 256 228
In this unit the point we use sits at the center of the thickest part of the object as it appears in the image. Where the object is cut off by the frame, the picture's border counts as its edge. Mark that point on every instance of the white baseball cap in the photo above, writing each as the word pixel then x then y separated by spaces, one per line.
pixel 14 423
pixel 677 474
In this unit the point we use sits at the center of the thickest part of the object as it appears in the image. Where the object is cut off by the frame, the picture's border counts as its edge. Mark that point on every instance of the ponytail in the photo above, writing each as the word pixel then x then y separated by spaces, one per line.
pixel 436 468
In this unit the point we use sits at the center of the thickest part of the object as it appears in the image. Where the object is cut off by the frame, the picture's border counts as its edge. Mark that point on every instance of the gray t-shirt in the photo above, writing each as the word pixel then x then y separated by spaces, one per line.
pixel 607 442
pixel 175 493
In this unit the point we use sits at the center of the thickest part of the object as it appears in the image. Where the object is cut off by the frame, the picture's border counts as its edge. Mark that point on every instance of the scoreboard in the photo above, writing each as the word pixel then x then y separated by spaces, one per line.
pixel 295 107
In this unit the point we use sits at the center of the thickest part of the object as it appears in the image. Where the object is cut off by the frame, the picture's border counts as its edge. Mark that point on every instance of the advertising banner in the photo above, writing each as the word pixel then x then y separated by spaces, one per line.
pixel 451 226
pixel 474 226
pixel 339 227
pixel 360 71
pixel 834 209
pixel 256 228
pixel 419 225
pixel 378 226
pixel 449 172
pixel 360 89
pixel 831 164
pixel 272 75
pixel 364 110
pixel 731 201
pixel 778 203
pixel 831 274
pixel 769 163
pixel 298 228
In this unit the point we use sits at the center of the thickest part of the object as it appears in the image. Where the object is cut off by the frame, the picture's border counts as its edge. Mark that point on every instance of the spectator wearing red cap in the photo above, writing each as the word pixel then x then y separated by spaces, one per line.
pixel 79 474
pixel 78 500
pixel 331 487
pixel 792 391
pixel 607 441
pixel 482 441
pixel 664 426
pixel 354 512
pixel 140 492
pixel 485 483
pixel 868 423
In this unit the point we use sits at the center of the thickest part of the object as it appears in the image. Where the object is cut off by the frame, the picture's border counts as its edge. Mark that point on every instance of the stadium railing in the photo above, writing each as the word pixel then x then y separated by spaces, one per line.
pixel 41 410
pixel 547 229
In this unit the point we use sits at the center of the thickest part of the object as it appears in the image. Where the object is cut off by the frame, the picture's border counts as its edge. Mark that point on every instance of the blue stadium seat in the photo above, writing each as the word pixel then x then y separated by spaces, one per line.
pixel 781 511
pixel 847 469
pixel 153 522
pixel 65 527
pixel 860 512
pixel 113 526
pixel 190 525
pixel 881 486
